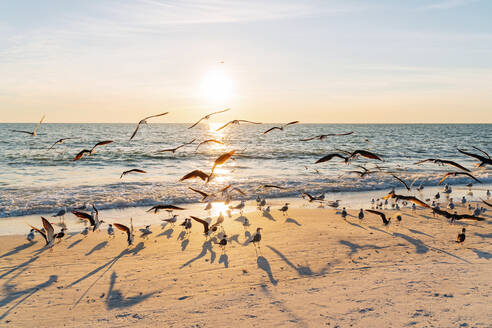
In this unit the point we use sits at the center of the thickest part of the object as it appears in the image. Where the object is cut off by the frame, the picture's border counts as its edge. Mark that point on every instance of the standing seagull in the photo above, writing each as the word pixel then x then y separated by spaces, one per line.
pixel 129 231
pixel 284 209
pixel 144 121
pixel 30 235
pixel 461 236
pixel 110 231
pixel 91 151
pixel 59 141
pixel 361 214
pixel 256 238
pixel 34 132
pixel 49 236
pixel 206 117
pixel 281 128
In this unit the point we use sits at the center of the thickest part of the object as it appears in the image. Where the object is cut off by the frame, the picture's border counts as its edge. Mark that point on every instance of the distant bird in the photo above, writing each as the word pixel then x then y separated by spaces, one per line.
pixel 361 214
pixel 281 128
pixel 128 231
pixel 488 193
pixel 91 151
pixel 60 214
pixel 437 196
pixel 246 223
pixel 454 174
pixel 461 236
pixel 30 235
pixel 187 225
pixel 386 221
pixel 173 150
pixel 324 136
pixel 239 207
pixel 206 117
pixel 93 219
pixel 328 157
pixel 412 199
pixel 334 204
pixel 172 220
pixel 110 230
pixel 145 232
pixel 159 207
pixel 284 209
pixel 196 174
pixel 483 160
pixel 85 232
pixel 443 162
pixel 209 141
pixel 203 222
pixel 34 132
pixel 49 234
pixel 344 213
pixel 144 121
pixel 132 171
pixel 312 198
pixel 59 141
pixel 265 186
pixel 236 122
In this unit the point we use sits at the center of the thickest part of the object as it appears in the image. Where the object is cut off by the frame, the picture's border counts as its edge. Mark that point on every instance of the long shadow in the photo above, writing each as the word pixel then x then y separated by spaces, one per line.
pixel 20 266
pixel 355 225
pixel 206 247
pixel 184 244
pixel 181 235
pixel 17 249
pixel 267 215
pixel 482 254
pixel 301 270
pixel 299 322
pixel 72 234
pixel 96 248
pixel 354 248
pixel 420 247
pixel 13 294
pixel 420 233
pixel 377 229
pixel 75 243
pixel 291 220
pixel 265 266
pixel 224 259
pixel 241 219
pixel 116 300
pixel 168 233
pixel 483 235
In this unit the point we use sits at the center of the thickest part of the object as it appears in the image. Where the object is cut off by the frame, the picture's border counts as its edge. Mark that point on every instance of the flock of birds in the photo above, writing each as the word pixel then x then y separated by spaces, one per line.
pixel 49 235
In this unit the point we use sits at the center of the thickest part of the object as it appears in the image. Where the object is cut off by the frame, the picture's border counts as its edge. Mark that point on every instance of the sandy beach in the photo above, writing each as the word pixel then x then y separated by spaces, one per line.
pixel 314 269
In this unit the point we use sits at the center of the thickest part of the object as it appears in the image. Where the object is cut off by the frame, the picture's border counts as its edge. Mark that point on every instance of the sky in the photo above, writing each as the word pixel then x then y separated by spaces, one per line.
pixel 320 61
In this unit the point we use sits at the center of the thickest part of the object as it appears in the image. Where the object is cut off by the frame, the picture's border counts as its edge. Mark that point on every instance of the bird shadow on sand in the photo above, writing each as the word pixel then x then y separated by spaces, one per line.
pixel 224 259
pixel 300 269
pixel 377 229
pixel 483 235
pixel 241 219
pixel 184 244
pixel 248 238
pixel 355 224
pixel 293 318
pixel 17 249
pixel 265 266
pixel 12 294
pixel 482 254
pixel 420 233
pixel 75 243
pixel 96 248
pixel 291 220
pixel 181 235
pixel 19 267
pixel 116 300
pixel 206 247
pixel 354 248
pixel 168 233
pixel 267 215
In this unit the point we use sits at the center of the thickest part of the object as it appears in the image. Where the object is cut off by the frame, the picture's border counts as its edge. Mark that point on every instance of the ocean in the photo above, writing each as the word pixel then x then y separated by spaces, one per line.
pixel 35 180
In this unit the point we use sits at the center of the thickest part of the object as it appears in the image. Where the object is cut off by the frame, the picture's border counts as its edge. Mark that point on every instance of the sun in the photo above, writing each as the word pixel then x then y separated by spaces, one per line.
pixel 217 87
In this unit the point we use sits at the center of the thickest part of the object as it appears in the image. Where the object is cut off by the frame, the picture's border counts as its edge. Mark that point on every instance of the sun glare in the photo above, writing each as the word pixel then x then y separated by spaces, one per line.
pixel 217 87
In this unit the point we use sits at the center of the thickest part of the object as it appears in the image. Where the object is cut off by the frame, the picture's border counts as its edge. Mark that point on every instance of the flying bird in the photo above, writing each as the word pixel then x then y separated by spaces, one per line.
pixel 411 199
pixel 483 160
pixel 195 174
pixel 364 153
pixel 455 216
pixel 401 181
pixel 236 122
pixel 206 117
pixel 281 128
pixel 324 136
pixel 203 222
pixel 93 219
pixel 49 234
pixel 128 231
pixel 208 141
pixel 171 207
pixel 144 121
pixel 132 171
pixel 443 162
pixel 454 174
pixel 34 132
pixel 59 141
pixel 173 150
pixel 329 157
pixel 386 221
pixel 90 152
pixel 221 160
pixel 202 193
pixel 362 173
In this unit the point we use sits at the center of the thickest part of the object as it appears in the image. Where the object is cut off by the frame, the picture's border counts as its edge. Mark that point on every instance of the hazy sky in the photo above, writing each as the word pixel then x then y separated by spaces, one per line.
pixel 313 61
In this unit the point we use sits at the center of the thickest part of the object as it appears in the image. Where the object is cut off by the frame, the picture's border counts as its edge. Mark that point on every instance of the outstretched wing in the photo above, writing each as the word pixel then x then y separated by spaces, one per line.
pixel 50 232
pixel 402 182
pixel 84 216
pixel 271 129
pixel 37 125
pixel 365 153
pixel 40 232
pixel 101 143
pixel 195 174
pixel 205 223
pixel 290 123
pixel 329 157
pixel 135 132
pixel 157 115
pixel 223 126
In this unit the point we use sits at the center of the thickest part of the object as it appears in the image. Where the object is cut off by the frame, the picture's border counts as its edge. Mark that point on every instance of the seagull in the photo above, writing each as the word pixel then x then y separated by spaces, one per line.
pixel 328 157
pixel 187 225
pixel 407 198
pixel 59 141
pixel 49 235
pixel 284 209
pixel 402 182
pixel 171 207
pixel 361 214
pixel 443 162
pixel 206 117
pixel 203 222
pixel 483 160
pixel 145 231
pixel 90 152
pixel 129 231
pixel 334 204
pixel 454 174
pixel 85 231
pixel 281 128
pixel 364 153
pixel 246 223
pixel 344 213
pixel 239 207
pixel 196 174
pixel 60 234
pixel 34 132
pixel 272 186
pixel 208 141
pixel 202 193
pixel 110 230
pixel 173 150
pixel 461 236
pixel 311 198
pixel 362 173
pixel 220 220
pixel 386 221
pixel 172 220
pixel 61 214
pixel 30 235
pixel 455 216
pixel 237 122
pixel 324 136
pixel 93 219
pixel 221 160
pixel 131 171
pixel 256 237
pixel 144 121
